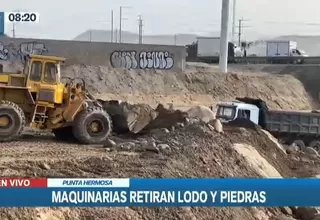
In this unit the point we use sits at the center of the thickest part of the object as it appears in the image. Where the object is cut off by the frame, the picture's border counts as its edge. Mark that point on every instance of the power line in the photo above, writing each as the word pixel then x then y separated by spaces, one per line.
pixel 291 23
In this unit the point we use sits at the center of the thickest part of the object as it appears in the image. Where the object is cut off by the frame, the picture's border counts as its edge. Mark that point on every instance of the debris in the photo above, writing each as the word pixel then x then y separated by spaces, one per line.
pixel 180 125
pixel 126 146
pixel 152 147
pixel 211 127
pixel 201 112
pixel 216 123
pixel 204 161
pixel 282 217
pixel 109 143
pixel 306 213
pixel 286 210
pixel 291 148
pixel 44 166
pixel 310 150
pixel 163 146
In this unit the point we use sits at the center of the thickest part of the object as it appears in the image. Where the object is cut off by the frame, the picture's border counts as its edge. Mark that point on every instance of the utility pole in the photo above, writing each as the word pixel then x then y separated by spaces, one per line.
pixel 111 26
pixel 13 30
pixel 240 30
pixel 175 39
pixel 224 32
pixel 140 21
pixel 14 26
pixel 116 35
pixel 234 21
pixel 120 25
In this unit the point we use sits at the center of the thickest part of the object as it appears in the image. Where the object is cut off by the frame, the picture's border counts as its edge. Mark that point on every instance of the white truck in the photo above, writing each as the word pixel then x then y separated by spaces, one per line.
pixel 208 46
pixel 282 51
pixel 299 127
pixel 208 49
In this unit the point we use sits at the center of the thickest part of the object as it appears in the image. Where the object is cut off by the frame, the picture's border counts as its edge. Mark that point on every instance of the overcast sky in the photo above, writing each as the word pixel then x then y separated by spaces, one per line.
pixel 64 19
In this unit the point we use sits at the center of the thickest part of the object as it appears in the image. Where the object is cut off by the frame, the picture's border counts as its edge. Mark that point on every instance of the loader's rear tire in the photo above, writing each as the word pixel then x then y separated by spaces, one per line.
pixel 92 126
pixel 64 134
pixel 12 121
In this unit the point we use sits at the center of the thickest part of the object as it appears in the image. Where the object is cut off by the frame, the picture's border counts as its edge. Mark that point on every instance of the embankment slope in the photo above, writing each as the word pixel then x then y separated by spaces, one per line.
pixel 307 74
pixel 197 85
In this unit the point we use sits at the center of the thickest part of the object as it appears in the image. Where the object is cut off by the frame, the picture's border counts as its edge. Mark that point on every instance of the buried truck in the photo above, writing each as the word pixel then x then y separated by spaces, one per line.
pixel 289 127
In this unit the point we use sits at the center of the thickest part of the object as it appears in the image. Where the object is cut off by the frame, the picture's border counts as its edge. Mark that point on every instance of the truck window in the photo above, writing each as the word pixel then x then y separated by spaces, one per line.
pixel 36 69
pixel 50 73
pixel 243 114
pixel 226 112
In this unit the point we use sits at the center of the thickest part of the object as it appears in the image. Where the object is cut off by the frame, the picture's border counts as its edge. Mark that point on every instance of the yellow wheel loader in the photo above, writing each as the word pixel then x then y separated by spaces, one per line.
pixel 38 98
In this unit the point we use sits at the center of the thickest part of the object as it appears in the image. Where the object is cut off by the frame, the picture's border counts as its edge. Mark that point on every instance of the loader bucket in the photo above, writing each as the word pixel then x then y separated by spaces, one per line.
pixel 140 118
pixel 166 118
pixel 127 117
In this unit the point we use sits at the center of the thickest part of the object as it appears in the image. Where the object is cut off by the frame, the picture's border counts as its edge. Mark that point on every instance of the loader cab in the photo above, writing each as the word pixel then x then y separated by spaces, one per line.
pixel 229 111
pixel 43 78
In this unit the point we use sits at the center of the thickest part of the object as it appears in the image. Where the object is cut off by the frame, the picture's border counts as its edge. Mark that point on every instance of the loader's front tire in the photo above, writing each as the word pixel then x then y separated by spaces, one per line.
pixel 12 121
pixel 92 126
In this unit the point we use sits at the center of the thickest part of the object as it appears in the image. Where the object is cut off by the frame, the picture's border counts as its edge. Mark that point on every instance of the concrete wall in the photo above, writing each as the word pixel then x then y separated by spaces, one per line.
pixel 140 56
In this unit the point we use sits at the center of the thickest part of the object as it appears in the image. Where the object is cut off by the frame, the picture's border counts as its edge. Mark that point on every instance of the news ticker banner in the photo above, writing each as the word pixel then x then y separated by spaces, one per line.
pixel 17 192
pixel 17 17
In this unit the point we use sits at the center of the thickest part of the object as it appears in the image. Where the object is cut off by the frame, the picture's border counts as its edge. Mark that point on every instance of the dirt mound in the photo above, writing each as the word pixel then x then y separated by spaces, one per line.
pixel 192 150
pixel 244 123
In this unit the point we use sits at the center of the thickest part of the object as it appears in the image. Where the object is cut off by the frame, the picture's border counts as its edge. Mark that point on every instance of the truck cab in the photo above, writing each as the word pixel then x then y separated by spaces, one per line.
pixel 299 53
pixel 229 111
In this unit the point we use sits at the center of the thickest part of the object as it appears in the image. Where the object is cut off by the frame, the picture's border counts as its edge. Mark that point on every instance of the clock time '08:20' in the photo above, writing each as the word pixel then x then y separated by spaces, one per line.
pixel 22 17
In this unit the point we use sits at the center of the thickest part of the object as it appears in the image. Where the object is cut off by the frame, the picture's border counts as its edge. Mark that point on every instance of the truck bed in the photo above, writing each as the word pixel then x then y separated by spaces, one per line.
pixel 295 122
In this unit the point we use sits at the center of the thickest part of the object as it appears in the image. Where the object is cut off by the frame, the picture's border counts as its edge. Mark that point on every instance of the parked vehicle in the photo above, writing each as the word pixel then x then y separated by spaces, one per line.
pixel 298 127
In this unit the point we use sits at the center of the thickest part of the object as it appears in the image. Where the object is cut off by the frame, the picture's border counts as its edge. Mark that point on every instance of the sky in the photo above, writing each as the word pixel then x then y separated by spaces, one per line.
pixel 66 19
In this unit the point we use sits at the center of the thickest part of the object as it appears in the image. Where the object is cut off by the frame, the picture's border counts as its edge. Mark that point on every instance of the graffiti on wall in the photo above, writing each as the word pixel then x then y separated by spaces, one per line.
pixel 144 60
pixel 13 52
